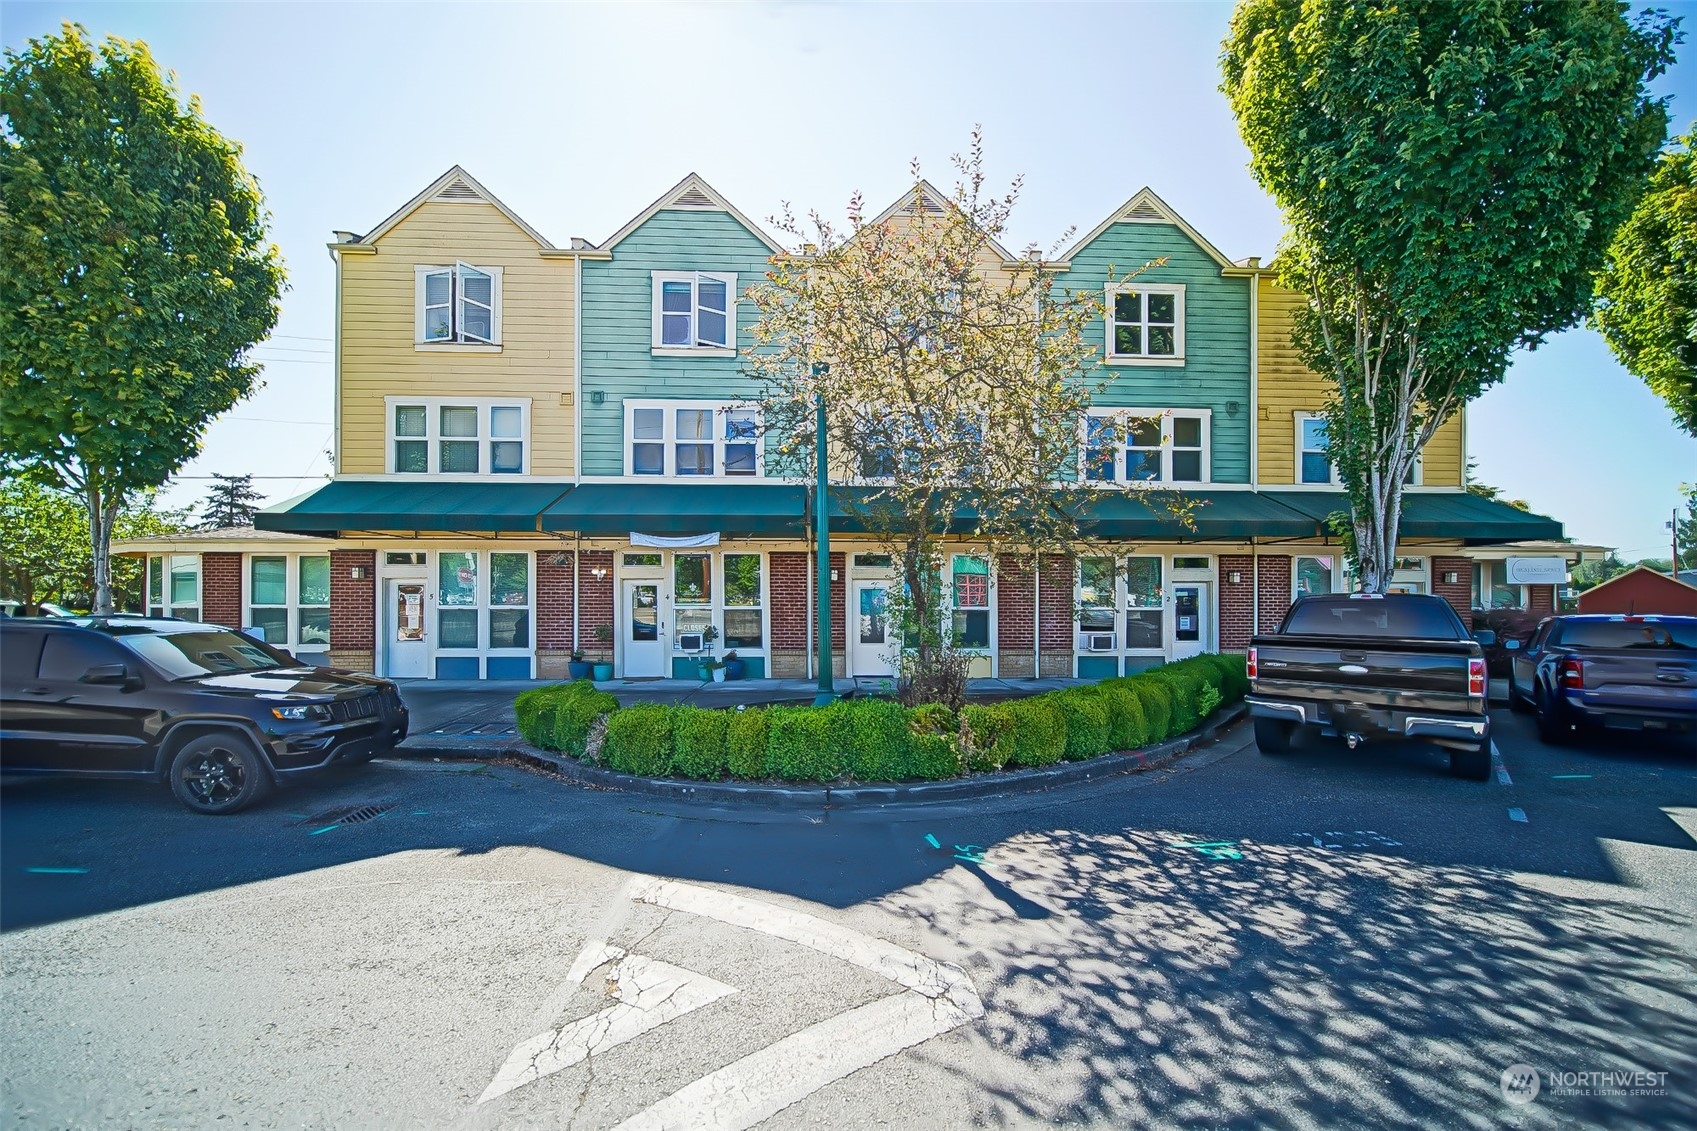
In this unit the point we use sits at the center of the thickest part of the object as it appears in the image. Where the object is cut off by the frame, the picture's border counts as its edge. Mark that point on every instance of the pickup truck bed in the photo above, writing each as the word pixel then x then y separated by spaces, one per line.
pixel 1400 666
pixel 1614 672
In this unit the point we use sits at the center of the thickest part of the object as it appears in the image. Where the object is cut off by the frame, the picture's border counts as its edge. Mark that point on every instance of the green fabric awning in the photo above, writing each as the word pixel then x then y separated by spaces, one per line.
pixel 858 510
pixel 673 508
pixel 349 505
pixel 1213 515
pixel 1470 519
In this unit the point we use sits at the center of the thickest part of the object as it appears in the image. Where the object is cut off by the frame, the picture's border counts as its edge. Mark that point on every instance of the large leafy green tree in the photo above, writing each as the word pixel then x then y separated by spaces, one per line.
pixel 1647 292
pixel 138 275
pixel 1451 173
pixel 45 554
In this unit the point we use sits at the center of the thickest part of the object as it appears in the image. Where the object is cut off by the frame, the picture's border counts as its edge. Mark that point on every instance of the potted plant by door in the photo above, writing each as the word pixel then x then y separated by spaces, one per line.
pixel 734 667
pixel 712 669
pixel 578 667
pixel 604 637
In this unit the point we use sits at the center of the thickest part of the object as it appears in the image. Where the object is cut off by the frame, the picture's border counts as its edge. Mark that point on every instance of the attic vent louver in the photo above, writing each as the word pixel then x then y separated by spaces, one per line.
pixel 693 198
pixel 457 189
pixel 1142 210
pixel 925 202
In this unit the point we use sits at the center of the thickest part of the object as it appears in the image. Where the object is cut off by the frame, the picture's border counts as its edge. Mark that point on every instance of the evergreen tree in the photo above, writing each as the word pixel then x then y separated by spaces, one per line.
pixel 231 502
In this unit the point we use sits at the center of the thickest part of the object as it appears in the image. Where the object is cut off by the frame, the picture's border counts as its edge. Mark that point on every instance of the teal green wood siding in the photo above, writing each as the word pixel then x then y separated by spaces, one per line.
pixel 618 327
pixel 1216 332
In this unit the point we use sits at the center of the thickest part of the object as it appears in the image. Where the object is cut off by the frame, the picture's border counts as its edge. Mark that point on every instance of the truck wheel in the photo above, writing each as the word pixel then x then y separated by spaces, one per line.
pixel 1473 764
pixel 1516 701
pixel 218 774
pixel 1272 736
pixel 1551 730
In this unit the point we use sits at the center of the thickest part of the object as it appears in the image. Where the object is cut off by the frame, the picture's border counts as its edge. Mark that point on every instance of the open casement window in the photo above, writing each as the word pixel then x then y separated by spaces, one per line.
pixel 458 305
pixel 691 439
pixel 1169 446
pixel 970 591
pixel 437 437
pixel 694 310
pixel 1145 323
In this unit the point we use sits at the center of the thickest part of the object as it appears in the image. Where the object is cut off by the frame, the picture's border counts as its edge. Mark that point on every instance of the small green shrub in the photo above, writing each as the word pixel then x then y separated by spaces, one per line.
pixel 1157 699
pixel 990 730
pixel 933 742
pixel 1040 736
pixel 1126 727
pixel 639 739
pixel 1085 716
pixel 698 742
pixel 1233 667
pixel 1185 685
pixel 871 736
pixel 558 717
pixel 745 743
pixel 799 745
pixel 1208 703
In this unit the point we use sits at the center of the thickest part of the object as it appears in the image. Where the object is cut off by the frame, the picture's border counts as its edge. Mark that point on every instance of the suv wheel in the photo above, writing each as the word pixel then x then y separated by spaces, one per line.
pixel 1272 736
pixel 218 773
pixel 1474 764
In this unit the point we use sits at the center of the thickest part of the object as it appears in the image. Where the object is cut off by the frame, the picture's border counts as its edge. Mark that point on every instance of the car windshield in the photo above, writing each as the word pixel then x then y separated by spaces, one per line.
pixel 187 655
pixel 1675 634
pixel 1415 619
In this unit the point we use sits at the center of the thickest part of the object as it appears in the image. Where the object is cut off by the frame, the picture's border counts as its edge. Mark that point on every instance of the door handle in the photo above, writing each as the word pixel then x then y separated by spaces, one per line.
pixel 38 691
pixel 1353 657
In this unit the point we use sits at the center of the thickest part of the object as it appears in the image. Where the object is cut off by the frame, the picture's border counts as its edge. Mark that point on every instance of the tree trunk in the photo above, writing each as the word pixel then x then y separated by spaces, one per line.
pixel 1376 530
pixel 102 516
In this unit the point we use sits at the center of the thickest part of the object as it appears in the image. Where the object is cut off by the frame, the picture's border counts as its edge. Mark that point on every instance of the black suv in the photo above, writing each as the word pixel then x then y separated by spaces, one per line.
pixel 220 716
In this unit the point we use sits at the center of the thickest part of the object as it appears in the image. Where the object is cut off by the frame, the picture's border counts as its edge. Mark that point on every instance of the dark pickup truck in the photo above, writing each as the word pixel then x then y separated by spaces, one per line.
pixel 1613 672
pixel 1366 666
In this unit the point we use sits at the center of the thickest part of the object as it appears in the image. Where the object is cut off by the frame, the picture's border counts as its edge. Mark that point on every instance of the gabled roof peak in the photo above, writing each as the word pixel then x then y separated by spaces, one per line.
pixel 1145 207
pixel 927 197
pixel 456 186
pixel 693 193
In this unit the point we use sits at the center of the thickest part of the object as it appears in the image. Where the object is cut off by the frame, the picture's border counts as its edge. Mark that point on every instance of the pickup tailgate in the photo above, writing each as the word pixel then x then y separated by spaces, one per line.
pixel 1413 673
pixel 1628 680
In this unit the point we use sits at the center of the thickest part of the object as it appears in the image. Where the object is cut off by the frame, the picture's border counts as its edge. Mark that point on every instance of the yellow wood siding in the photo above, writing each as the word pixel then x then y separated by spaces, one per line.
pixel 1287 387
pixel 378 330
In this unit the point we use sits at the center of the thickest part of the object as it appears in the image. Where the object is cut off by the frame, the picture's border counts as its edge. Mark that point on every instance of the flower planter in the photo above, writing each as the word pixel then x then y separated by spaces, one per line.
pixel 719 674
pixel 579 669
pixel 735 669
pixel 603 672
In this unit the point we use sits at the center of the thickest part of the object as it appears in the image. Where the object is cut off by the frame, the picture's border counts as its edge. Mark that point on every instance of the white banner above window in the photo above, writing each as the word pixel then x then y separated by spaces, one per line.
pixel 685 542
pixel 1537 571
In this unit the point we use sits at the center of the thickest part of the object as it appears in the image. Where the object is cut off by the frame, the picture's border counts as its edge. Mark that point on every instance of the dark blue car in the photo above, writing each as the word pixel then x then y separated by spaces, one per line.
pixel 1636 673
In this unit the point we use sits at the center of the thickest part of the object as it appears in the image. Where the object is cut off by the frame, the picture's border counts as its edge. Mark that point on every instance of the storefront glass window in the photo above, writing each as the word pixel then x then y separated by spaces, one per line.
pixel 1145 614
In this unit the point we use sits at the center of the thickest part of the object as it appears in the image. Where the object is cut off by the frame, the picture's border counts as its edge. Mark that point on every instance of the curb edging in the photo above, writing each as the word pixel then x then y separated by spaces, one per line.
pixel 960 789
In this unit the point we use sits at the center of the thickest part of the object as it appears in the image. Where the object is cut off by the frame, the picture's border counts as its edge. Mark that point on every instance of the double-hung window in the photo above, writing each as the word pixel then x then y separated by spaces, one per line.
pixel 289 598
pixel 457 305
pixel 692 439
pixel 1145 323
pixel 695 311
pixel 971 593
pixel 1144 446
pixel 458 438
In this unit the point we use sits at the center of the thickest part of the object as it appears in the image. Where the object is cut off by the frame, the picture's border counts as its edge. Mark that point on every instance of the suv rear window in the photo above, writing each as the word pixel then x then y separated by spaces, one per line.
pixel 1677 634
pixel 20 654
pixel 1415 618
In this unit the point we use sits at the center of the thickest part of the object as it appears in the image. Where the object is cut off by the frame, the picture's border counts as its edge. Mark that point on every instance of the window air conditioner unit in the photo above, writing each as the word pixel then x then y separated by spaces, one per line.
pixel 689 641
pixel 1099 642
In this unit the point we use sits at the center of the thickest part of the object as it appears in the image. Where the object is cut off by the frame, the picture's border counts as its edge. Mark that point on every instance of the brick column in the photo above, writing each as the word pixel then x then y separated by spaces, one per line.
pixel 1054 616
pixel 597 598
pixel 353 610
pixel 788 615
pixel 1016 623
pixel 1541 599
pixel 221 590
pixel 553 613
pixel 1458 593
pixel 1237 602
pixel 1274 575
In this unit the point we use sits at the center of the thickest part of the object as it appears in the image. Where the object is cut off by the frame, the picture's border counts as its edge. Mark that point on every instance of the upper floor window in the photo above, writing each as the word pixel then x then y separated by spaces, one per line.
pixel 1313 461
pixel 1136 445
pixel 692 438
pixel 458 305
pixel 695 312
pixel 1146 323
pixel 458 437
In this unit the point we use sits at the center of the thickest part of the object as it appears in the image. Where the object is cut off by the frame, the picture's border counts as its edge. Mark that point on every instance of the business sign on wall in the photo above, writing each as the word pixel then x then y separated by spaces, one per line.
pixel 1537 571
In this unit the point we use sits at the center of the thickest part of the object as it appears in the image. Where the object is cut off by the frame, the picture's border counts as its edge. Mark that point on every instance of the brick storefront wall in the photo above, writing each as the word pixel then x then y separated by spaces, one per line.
pixel 353 601
pixel 1275 590
pixel 554 601
pixel 1054 615
pixel 1459 593
pixel 597 597
pixel 1015 616
pixel 1237 602
pixel 221 589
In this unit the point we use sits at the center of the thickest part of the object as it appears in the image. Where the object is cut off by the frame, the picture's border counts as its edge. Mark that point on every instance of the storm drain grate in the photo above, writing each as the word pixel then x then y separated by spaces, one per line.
pixel 357 816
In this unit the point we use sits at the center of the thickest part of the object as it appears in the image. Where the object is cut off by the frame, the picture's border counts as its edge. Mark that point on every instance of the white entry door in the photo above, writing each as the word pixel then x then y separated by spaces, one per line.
pixel 406 652
pixel 1192 615
pixel 872 639
pixel 644 642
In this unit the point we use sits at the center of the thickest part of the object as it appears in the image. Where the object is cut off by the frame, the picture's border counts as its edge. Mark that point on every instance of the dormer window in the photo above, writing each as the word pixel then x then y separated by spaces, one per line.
pixel 458 305
pixel 694 313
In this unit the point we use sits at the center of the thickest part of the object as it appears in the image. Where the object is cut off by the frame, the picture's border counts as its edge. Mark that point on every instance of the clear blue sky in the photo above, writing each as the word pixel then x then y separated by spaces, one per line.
pixel 578 116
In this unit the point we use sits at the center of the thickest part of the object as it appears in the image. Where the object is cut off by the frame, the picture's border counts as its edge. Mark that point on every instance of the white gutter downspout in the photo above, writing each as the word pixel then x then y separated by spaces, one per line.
pixel 577 447
pixel 1037 616
pixel 1254 383
pixel 336 371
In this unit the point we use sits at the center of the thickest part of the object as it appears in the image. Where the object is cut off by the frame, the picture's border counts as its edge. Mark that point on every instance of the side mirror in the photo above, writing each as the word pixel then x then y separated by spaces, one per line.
pixel 1485 637
pixel 112 675
pixel 1511 645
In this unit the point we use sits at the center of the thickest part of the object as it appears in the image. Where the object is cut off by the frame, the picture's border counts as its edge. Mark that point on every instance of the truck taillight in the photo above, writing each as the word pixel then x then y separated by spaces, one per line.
pixel 1251 663
pixel 1476 678
pixel 1572 673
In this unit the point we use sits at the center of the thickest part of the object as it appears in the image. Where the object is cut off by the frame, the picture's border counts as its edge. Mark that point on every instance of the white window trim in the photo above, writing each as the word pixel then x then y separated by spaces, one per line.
pixel 1122 606
pixel 1340 573
pixel 1415 478
pixel 433 434
pixel 722 592
pixel 291 583
pixel 482 605
pixel 658 348
pixel 1176 358
pixel 1167 415
pixel 423 344
pixel 166 605
pixel 989 606
pixel 669 439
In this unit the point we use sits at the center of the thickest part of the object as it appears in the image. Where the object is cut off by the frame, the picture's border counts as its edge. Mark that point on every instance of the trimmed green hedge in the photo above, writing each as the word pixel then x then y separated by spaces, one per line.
pixel 878 739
